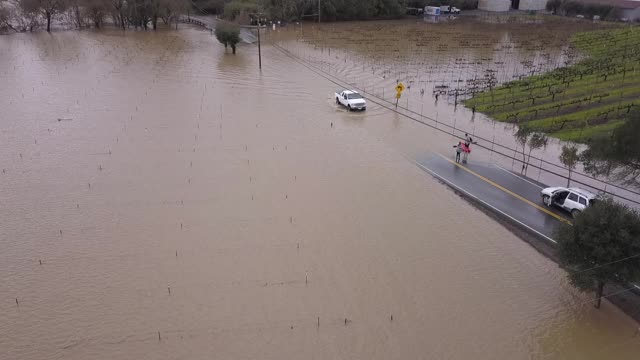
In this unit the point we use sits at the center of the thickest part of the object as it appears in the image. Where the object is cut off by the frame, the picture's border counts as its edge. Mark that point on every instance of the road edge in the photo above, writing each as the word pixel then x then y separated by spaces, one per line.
pixel 626 301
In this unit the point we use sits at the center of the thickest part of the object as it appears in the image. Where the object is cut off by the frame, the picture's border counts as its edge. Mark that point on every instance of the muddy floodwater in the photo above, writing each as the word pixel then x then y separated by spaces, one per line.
pixel 161 199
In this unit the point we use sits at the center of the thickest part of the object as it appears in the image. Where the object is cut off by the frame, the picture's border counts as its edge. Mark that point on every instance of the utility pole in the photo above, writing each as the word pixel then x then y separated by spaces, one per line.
pixel 319 11
pixel 259 53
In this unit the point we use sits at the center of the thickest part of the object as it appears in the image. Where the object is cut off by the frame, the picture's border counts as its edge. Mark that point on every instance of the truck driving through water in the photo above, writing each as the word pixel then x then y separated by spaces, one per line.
pixel 351 100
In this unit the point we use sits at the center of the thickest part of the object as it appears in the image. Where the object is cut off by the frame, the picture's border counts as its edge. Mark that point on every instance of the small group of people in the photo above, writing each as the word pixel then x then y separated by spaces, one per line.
pixel 463 148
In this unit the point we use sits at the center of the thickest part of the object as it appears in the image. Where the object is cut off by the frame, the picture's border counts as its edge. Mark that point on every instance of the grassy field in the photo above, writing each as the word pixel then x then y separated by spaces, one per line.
pixel 578 101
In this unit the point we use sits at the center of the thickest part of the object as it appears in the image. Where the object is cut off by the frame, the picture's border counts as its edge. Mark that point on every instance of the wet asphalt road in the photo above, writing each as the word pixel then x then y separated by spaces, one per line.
pixel 505 192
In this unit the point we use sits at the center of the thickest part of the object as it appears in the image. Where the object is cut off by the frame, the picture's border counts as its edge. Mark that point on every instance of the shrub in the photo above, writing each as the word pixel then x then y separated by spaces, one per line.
pixel 228 35
pixel 592 250
pixel 553 5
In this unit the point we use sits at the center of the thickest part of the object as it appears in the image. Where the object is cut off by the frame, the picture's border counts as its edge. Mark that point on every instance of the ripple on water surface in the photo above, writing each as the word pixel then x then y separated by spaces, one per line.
pixel 186 205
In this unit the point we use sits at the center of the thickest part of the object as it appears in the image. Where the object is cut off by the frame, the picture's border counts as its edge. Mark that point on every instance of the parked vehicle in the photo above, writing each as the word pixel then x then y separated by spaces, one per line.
pixel 573 200
pixel 448 9
pixel 415 11
pixel 351 100
pixel 431 10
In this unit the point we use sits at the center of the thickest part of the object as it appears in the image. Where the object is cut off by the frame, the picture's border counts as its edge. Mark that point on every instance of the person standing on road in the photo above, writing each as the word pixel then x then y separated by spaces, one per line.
pixel 466 150
pixel 467 140
pixel 458 150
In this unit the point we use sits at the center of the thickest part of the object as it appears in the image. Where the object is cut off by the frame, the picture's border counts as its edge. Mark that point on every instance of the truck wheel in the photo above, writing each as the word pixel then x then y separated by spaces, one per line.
pixel 575 213
pixel 546 199
pixel 337 101
pixel 348 107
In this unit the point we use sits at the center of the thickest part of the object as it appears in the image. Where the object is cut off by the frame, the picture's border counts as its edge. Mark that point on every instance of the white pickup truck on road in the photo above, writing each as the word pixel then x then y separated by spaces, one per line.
pixel 351 100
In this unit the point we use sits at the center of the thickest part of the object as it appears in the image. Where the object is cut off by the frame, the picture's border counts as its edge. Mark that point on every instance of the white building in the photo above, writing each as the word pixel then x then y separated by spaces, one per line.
pixel 629 9
pixel 506 5
pixel 494 5
pixel 532 4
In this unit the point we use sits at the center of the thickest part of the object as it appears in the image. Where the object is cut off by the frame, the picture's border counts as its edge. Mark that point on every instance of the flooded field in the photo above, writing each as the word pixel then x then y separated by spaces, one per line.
pixel 161 199
pixel 444 63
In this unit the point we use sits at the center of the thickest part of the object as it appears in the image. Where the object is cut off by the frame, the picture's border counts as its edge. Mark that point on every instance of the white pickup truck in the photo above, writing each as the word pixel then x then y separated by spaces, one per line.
pixel 351 100
pixel 448 9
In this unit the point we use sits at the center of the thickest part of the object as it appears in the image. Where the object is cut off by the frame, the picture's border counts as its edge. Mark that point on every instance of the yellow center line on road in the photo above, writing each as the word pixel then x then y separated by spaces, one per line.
pixel 500 187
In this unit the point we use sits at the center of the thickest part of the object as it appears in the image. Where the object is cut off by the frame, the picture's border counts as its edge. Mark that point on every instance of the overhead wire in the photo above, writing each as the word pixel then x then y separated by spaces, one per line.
pixel 372 98
pixel 330 78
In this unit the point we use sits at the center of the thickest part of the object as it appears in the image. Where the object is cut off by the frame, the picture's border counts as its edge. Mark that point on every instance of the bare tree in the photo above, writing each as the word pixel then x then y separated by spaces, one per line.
pixel 4 17
pixel 75 13
pixel 140 12
pixel 96 11
pixel 526 136
pixel 119 8
pixel 27 15
pixel 154 10
pixel 48 8
pixel 169 10
pixel 569 158
pixel 522 138
pixel 166 11
pixel 537 140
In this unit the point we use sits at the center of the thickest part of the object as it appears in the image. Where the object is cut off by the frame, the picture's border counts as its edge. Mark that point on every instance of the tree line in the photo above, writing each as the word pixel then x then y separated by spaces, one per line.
pixel 296 10
pixel 460 4
pixel 330 10
pixel 574 7
pixel 603 245
pixel 614 155
pixel 28 15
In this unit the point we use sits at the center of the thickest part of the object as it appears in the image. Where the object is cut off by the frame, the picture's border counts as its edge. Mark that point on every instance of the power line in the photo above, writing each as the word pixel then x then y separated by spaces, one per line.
pixel 542 161
pixel 606 264
pixel 371 96
pixel 327 77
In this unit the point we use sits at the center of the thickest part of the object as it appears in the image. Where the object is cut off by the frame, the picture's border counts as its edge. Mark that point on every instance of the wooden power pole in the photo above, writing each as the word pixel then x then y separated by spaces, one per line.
pixel 259 53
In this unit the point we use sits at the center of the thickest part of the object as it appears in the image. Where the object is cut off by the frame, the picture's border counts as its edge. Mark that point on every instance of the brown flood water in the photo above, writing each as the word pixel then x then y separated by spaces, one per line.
pixel 448 56
pixel 186 206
